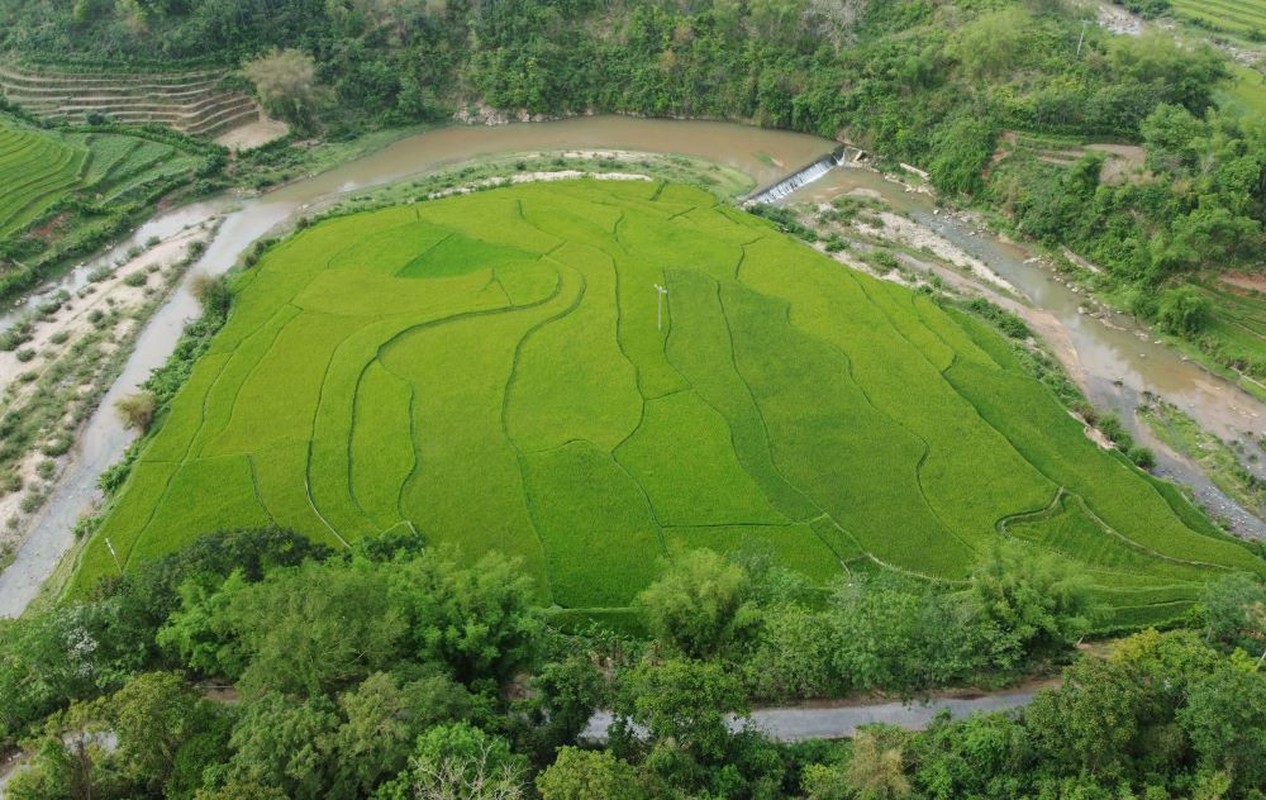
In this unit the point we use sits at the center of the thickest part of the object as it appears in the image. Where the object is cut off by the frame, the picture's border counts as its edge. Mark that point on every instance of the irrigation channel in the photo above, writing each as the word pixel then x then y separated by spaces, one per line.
pixel 1107 355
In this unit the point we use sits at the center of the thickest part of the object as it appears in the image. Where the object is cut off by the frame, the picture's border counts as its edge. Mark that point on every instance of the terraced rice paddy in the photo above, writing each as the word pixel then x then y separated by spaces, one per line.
pixel 1243 17
pixel 1238 325
pixel 489 370
pixel 40 168
pixel 35 170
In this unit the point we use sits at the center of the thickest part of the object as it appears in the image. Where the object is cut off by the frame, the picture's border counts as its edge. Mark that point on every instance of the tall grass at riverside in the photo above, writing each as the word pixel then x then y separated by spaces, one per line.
pixel 488 371
pixel 69 193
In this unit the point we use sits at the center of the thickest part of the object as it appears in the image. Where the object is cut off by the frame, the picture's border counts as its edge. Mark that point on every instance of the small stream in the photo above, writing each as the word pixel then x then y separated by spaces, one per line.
pixel 1109 355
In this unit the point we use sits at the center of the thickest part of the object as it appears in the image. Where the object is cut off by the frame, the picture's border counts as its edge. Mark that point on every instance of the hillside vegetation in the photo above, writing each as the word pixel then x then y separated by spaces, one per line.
pixel 489 372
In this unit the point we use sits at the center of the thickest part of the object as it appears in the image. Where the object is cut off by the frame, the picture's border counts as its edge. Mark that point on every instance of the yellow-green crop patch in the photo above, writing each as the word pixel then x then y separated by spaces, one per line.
pixel 497 372
pixel 69 192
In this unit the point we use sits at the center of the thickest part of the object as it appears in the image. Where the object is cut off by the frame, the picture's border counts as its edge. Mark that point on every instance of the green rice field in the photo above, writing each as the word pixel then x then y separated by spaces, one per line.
pixel 491 371
pixel 1236 333
pixel 1244 17
pixel 35 170
pixel 107 173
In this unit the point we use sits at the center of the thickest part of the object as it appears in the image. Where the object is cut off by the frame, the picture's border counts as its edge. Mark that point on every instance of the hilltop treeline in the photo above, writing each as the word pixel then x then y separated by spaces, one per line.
pixel 258 665
pixel 914 75
pixel 917 76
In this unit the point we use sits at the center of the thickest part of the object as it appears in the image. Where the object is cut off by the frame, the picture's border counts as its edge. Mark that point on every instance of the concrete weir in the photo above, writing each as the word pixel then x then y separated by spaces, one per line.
pixel 805 175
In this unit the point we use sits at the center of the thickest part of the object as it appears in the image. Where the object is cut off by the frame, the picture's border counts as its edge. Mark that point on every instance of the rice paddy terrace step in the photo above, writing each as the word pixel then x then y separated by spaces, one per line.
pixel 191 102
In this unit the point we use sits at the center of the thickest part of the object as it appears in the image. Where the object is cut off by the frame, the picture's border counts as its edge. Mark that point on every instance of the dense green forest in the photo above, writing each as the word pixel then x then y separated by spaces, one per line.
pixel 254 664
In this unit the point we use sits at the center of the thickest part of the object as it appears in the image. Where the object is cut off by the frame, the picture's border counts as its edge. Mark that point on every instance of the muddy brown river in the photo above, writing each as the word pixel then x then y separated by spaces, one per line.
pixel 1108 355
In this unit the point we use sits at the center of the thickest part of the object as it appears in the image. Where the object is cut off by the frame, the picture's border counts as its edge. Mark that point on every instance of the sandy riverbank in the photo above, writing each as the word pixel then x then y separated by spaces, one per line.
pixel 74 338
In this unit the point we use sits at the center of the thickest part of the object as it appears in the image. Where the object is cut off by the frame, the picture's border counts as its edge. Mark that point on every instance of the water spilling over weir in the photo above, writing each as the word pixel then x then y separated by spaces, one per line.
pixel 805 175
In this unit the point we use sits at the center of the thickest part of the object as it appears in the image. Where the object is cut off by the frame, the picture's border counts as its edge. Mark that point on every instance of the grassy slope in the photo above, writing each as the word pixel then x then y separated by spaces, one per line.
pixel 488 369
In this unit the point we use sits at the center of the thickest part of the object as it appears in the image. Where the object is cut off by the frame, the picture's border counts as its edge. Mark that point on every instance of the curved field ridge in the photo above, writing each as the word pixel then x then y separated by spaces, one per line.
pixel 491 371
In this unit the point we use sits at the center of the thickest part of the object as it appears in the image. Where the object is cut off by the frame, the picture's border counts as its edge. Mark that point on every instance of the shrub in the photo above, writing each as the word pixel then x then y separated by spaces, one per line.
pixel 16 336
pixel 58 445
pixel 136 411
pixel 1184 311
pixel 1142 456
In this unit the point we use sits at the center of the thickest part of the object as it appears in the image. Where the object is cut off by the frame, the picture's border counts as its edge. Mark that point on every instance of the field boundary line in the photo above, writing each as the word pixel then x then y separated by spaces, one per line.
pixel 259 497
pixel 413 440
pixel 1050 512
pixel 520 455
pixel 237 391
pixel 449 235
pixel 1143 548
pixel 176 466
pixel 852 376
pixel 351 439
pixel 312 435
pixel 307 490
pixel 758 415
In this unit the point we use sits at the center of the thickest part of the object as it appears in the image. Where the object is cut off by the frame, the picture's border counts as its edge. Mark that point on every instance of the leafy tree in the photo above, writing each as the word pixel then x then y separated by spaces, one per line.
pixel 1184 310
pixel 478 621
pixel 286 83
pixel 71 760
pixel 239 790
pixel 1186 75
pixel 698 608
pixel 73 651
pixel 1232 612
pixel 1225 717
pixel 993 44
pixel 794 654
pixel 286 744
pixel 984 755
pixel 1088 725
pixel 567 693
pixel 876 770
pixel 201 634
pixel 459 762
pixel 1036 599
pixel 963 148
pixel 383 718
pixel 154 715
pixel 136 411
pixel 316 628
pixel 588 775
pixel 682 702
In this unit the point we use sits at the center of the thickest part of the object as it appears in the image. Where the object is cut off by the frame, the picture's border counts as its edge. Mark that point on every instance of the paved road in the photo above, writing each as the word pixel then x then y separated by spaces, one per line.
pixel 795 724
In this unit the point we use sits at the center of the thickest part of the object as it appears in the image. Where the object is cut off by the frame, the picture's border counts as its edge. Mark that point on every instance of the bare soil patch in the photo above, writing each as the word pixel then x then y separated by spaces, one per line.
pixel 253 134
pixel 1244 281
pixel 116 298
